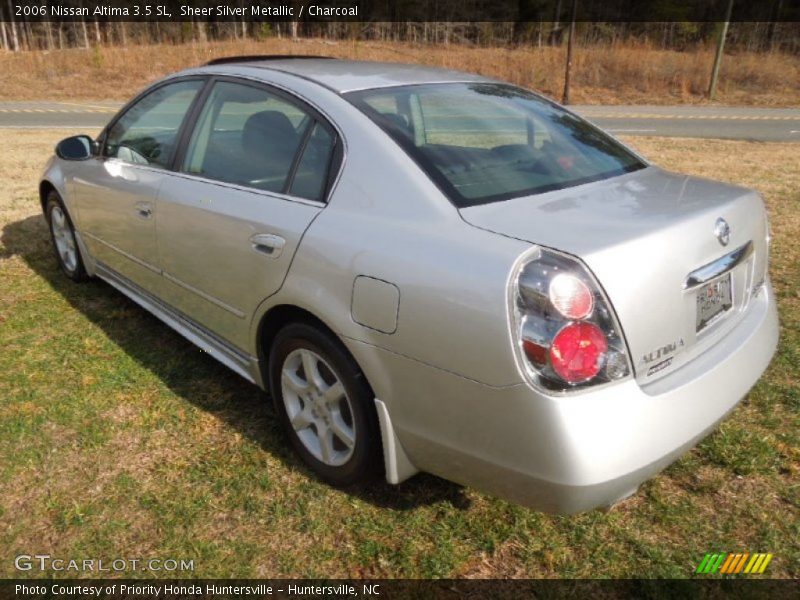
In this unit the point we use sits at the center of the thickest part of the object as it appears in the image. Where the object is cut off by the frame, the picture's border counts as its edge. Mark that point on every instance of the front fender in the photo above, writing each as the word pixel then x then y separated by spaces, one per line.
pixel 55 177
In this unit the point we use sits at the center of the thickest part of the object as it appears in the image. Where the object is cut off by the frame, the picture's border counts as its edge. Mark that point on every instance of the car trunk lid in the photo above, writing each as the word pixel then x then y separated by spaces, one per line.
pixel 649 237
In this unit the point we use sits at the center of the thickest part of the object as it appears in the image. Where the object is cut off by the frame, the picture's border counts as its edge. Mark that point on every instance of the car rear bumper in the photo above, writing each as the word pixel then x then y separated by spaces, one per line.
pixel 580 451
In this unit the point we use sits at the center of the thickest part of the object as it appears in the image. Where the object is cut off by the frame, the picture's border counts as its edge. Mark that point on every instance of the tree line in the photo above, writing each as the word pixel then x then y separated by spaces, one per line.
pixel 25 34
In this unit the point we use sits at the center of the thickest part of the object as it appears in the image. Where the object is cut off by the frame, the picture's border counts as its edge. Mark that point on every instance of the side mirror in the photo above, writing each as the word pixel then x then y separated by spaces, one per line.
pixel 77 147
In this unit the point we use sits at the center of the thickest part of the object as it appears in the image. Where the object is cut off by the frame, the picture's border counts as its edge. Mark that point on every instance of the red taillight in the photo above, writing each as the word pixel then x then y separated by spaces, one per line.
pixel 571 296
pixel 566 332
pixel 536 353
pixel 577 351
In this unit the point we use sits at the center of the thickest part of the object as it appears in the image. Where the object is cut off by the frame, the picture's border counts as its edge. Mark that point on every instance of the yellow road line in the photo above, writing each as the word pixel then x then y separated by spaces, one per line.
pixel 689 117
pixel 90 106
pixel 54 110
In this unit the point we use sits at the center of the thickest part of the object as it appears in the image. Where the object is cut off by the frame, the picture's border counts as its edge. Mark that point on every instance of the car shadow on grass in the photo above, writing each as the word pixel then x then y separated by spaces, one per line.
pixel 183 368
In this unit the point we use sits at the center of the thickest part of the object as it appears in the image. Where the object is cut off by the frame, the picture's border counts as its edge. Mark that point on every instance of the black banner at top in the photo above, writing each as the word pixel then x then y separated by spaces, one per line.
pixel 401 10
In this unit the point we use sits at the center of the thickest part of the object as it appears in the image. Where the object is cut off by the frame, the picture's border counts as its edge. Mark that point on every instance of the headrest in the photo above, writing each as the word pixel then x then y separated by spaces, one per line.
pixel 266 130
pixel 397 122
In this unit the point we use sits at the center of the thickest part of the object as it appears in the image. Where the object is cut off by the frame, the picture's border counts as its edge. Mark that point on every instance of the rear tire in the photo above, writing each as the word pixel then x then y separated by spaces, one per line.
pixel 325 405
pixel 62 235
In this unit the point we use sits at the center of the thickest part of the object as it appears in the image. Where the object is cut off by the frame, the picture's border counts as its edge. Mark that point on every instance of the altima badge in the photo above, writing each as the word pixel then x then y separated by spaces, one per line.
pixel 723 231
pixel 663 352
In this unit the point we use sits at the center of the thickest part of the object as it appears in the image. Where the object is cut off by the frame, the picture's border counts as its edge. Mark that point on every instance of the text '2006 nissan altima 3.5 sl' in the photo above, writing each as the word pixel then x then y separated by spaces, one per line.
pixel 428 270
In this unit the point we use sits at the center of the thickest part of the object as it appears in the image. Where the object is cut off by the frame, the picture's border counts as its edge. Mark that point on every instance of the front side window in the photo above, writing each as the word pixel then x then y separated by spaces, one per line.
pixel 484 142
pixel 249 136
pixel 148 131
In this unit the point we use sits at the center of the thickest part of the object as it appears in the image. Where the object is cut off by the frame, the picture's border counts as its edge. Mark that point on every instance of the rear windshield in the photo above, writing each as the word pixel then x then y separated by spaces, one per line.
pixel 484 142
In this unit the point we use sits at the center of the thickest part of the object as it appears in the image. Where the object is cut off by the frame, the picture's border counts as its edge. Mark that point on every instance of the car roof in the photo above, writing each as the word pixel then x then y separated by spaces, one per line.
pixel 345 75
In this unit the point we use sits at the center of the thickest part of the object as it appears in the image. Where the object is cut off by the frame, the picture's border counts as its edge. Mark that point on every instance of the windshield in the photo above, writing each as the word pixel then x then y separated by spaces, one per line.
pixel 484 142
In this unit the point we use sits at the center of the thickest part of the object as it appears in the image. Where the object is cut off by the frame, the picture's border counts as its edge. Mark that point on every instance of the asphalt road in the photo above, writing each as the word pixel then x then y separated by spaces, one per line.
pixel 760 124
pixel 733 123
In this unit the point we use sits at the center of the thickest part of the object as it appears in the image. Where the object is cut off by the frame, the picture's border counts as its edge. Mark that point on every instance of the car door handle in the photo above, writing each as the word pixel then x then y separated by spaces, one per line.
pixel 268 244
pixel 144 209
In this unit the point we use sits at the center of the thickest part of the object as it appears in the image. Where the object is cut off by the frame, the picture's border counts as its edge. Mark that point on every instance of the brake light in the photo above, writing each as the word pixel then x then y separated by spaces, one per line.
pixel 578 351
pixel 564 326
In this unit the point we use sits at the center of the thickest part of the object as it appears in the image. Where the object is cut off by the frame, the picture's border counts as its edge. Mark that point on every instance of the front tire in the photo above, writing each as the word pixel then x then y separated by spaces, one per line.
pixel 62 234
pixel 325 405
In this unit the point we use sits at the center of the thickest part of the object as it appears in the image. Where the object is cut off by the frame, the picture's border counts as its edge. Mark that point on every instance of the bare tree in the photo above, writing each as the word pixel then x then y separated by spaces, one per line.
pixel 14 36
pixel 83 27
pixel 49 27
pixel 202 35
pixel 4 34
pixel 27 34
pixel 568 72
pixel 773 25
pixel 712 85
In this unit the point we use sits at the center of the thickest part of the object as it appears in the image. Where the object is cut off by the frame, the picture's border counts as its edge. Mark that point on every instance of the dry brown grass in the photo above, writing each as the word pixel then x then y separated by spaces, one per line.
pixel 620 74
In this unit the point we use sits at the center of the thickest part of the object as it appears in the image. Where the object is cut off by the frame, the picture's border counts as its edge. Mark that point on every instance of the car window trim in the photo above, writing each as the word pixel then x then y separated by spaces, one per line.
pixel 189 123
pixel 334 163
pixel 298 155
pixel 335 159
pixel 247 189
pixel 102 139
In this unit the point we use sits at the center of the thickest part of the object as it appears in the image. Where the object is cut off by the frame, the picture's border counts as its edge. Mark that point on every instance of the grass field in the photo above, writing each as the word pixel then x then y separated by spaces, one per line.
pixel 618 74
pixel 119 439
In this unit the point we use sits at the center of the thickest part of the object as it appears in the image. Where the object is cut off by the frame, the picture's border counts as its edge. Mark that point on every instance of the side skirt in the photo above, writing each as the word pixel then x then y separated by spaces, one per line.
pixel 233 358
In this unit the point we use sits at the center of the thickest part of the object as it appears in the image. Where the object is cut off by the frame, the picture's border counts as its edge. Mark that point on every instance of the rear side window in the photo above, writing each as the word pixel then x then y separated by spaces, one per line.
pixel 484 142
pixel 251 137
pixel 312 170
pixel 148 131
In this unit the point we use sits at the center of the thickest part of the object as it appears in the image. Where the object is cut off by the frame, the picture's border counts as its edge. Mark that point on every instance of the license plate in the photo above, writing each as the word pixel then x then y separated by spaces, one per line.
pixel 713 299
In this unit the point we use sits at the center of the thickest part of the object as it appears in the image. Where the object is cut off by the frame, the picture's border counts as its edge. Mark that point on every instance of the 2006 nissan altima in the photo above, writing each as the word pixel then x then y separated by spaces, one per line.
pixel 428 270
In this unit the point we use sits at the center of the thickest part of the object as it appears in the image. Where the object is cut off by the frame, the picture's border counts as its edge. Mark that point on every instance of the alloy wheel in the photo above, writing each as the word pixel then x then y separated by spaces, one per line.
pixel 64 238
pixel 318 407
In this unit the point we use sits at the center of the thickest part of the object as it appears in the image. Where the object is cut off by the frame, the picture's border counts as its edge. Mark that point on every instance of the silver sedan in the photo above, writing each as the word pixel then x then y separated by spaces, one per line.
pixel 427 270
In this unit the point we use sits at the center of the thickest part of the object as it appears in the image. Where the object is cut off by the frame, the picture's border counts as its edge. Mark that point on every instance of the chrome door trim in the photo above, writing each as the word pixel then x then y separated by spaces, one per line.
pixel 113 160
pixel 229 355
pixel 718 267
pixel 244 188
pixel 216 302
pixel 130 257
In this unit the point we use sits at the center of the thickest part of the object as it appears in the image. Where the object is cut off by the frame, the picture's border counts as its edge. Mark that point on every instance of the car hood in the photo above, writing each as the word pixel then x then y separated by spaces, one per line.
pixel 641 234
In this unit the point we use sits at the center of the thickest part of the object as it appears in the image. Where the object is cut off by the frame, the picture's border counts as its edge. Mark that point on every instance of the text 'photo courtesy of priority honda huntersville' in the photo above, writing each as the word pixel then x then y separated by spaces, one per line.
pixel 427 270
